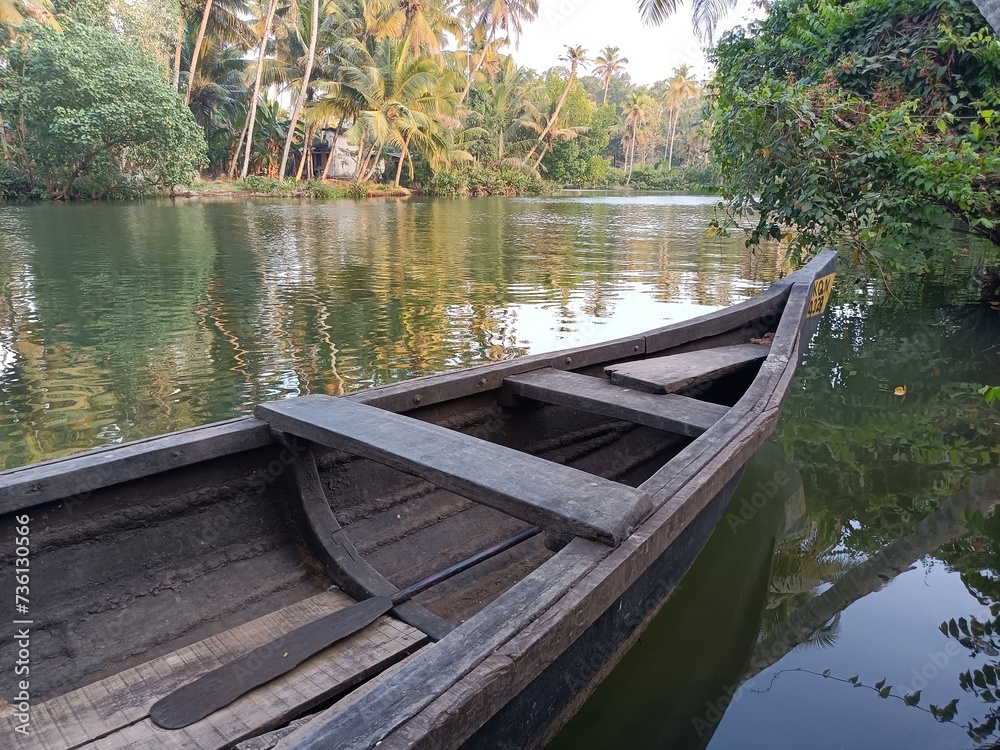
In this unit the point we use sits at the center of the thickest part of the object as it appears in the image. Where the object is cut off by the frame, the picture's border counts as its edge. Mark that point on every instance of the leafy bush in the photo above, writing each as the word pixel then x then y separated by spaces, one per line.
pixel 359 189
pixel 479 180
pixel 858 124
pixel 647 177
pixel 324 191
pixel 13 184
pixel 261 184
pixel 98 116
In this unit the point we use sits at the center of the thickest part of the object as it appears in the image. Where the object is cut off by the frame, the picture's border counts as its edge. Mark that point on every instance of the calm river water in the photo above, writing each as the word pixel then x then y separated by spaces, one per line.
pixel 846 600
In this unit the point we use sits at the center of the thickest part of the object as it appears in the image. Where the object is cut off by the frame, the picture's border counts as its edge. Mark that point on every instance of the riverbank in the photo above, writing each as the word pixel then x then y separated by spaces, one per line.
pixel 266 187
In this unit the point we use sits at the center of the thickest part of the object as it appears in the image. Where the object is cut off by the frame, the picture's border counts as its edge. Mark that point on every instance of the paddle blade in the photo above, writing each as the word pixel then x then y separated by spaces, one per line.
pixel 223 685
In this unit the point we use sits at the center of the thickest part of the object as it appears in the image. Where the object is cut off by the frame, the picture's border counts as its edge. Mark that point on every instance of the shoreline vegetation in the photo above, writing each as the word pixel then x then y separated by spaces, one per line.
pixel 864 126
pixel 465 183
pixel 121 99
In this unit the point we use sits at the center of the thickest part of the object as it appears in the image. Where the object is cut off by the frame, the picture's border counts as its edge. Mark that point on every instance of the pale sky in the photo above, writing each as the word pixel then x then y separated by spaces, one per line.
pixel 653 52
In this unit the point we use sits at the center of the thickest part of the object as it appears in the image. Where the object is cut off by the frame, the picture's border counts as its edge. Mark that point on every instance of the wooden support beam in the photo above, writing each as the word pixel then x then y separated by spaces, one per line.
pixel 675 372
pixel 544 493
pixel 344 564
pixel 671 413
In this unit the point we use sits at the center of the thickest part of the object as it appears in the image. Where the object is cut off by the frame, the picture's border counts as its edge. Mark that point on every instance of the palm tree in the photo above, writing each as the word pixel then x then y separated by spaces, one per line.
pixel 406 99
pixel 501 100
pixel 496 15
pixel 705 14
pixel 536 120
pixel 312 25
pixel 636 113
pixel 574 56
pixel 265 35
pixel 608 64
pixel 682 87
pixel 220 19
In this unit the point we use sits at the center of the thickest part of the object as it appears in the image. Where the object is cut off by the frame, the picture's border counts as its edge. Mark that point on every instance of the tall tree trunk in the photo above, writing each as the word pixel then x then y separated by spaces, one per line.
pixel 631 161
pixel 673 135
pixel 177 50
pixel 3 141
pixel 333 148
pixel 306 152
pixel 303 91
pixel 362 151
pixel 239 147
pixel 402 157
pixel 363 171
pixel 479 64
pixel 555 115
pixel 197 51
pixel 271 6
pixel 541 156
pixel 606 84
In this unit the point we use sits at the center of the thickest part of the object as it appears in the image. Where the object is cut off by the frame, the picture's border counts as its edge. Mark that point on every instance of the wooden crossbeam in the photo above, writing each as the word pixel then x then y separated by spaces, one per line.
pixel 675 372
pixel 553 496
pixel 672 413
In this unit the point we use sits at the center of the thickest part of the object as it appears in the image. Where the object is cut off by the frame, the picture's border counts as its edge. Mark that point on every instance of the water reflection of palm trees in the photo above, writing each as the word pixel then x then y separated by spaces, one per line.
pixel 855 581
pixel 198 310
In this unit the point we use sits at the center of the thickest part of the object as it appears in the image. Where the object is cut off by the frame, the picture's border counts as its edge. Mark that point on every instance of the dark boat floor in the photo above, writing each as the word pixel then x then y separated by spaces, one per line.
pixel 148 567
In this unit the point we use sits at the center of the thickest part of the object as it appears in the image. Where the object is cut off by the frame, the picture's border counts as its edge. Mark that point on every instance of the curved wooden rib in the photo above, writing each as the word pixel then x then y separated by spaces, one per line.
pixel 344 564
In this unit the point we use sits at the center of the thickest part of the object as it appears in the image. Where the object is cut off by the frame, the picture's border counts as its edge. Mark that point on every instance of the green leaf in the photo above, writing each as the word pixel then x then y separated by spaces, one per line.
pixel 912 699
pixel 884 692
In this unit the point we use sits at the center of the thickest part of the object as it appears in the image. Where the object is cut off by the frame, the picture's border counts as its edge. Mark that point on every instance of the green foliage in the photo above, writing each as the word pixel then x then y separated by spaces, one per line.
pixel 477 180
pixel 647 177
pixel 98 117
pixel 860 125
pixel 267 185
pixel 991 393
pixel 578 162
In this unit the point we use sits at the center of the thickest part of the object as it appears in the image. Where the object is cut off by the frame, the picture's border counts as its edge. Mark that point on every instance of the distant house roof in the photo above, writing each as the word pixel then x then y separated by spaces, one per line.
pixel 991 10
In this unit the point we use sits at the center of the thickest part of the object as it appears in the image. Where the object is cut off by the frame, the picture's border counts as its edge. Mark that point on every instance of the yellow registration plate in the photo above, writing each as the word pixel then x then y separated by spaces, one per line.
pixel 820 295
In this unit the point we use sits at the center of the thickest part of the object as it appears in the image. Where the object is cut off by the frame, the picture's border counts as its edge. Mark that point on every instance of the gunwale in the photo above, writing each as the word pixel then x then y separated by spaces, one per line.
pixel 680 489
pixel 554 605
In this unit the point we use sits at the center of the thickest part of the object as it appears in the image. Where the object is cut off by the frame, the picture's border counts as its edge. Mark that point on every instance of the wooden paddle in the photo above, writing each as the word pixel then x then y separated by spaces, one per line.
pixel 223 685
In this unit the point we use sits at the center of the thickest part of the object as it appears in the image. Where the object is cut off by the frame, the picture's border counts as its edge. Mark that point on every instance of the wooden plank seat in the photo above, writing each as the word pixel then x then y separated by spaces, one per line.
pixel 113 714
pixel 672 413
pixel 547 494
pixel 676 372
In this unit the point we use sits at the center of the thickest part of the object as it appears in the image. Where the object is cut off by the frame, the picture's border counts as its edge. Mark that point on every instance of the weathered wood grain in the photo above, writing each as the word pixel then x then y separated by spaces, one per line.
pixel 671 413
pixel 675 372
pixel 682 489
pixel 81 474
pixel 541 492
pixel 344 564
pixel 113 713
pixel 220 687
pixel 363 722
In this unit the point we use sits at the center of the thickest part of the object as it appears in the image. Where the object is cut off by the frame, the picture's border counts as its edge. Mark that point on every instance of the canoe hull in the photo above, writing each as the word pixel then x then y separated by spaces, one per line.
pixel 533 718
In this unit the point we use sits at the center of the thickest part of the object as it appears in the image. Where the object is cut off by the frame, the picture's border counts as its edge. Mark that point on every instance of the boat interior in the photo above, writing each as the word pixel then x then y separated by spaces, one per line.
pixel 146 583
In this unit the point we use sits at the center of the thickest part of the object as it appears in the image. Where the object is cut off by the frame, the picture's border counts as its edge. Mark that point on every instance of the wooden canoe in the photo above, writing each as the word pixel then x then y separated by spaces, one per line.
pixel 152 565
